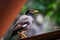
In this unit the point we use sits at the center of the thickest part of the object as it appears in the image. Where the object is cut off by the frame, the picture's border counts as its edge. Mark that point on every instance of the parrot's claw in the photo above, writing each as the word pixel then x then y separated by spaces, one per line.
pixel 22 35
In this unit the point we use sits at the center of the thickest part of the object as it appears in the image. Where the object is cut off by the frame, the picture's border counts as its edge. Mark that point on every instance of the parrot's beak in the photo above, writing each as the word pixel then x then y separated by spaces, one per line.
pixel 35 11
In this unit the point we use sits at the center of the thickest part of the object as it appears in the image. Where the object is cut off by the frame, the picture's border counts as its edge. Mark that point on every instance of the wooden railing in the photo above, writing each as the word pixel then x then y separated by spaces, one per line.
pixel 48 36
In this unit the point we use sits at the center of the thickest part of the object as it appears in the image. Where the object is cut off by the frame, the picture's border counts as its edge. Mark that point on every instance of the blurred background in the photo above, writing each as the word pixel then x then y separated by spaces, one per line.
pixel 47 20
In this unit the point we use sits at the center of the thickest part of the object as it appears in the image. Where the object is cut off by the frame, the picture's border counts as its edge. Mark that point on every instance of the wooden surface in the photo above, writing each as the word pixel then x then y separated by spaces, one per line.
pixel 48 36
pixel 9 9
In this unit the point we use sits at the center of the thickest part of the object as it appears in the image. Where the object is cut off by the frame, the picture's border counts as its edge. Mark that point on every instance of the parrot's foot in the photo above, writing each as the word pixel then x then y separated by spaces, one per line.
pixel 22 35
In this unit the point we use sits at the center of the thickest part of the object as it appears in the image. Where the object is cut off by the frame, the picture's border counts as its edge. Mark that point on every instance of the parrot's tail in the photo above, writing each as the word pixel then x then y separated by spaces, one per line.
pixel 13 34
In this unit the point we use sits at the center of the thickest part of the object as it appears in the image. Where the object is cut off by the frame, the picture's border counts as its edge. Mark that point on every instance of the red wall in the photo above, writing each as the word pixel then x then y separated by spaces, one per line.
pixel 8 11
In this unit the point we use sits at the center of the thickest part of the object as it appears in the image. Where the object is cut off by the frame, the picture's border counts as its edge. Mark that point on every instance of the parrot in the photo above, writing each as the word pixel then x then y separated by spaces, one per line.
pixel 23 23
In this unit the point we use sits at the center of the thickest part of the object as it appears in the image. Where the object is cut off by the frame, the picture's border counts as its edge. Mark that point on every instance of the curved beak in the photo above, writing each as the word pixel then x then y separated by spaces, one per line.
pixel 35 11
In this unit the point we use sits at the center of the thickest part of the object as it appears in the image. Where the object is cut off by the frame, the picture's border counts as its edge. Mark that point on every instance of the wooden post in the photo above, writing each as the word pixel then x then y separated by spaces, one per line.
pixel 8 12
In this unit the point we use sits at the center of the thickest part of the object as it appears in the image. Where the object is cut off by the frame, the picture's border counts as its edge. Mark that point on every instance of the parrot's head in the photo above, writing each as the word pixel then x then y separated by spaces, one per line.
pixel 31 12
